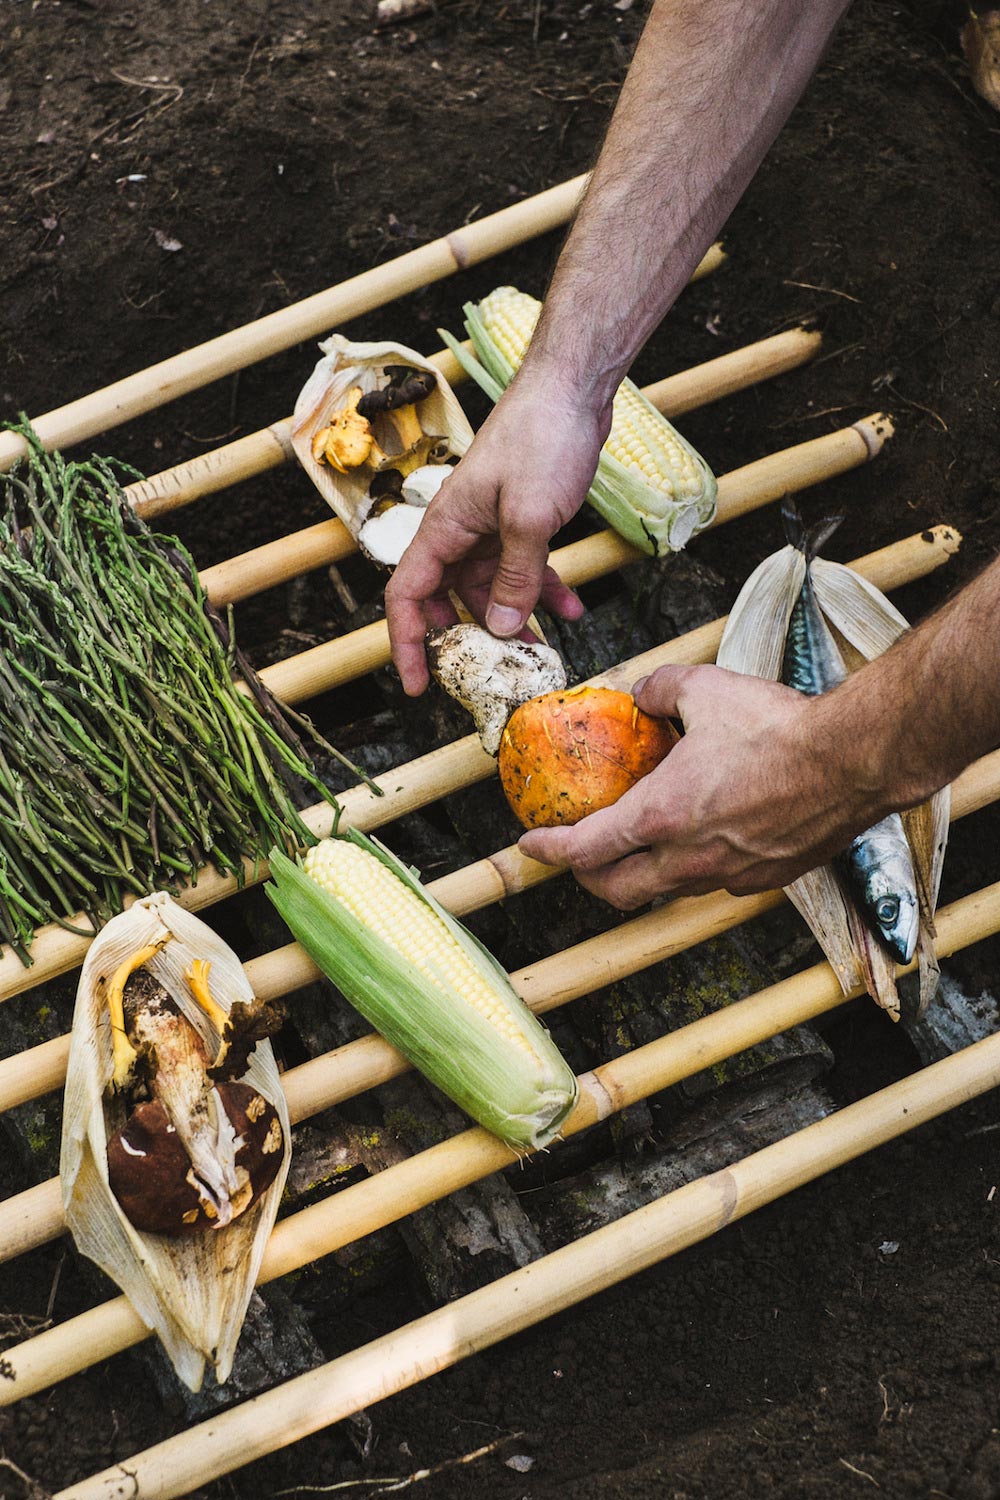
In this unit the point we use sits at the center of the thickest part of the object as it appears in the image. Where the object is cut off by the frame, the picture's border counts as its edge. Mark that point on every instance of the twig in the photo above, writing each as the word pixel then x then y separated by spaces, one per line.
pixel 860 1472
pixel 17 1326
pixel 34 1490
pixel 155 84
pixel 831 291
pixel 54 1288
pixel 888 385
pixel 392 1486
pixel 839 353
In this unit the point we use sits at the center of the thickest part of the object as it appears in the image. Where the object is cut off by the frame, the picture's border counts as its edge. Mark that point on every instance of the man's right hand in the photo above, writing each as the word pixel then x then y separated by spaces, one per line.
pixel 486 534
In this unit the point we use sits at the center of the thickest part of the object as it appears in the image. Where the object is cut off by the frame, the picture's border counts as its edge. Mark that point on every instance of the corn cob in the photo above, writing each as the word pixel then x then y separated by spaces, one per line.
pixel 651 485
pixel 426 985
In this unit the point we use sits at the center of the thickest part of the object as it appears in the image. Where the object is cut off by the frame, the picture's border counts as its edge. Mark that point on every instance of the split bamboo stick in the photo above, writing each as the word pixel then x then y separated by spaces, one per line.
pixel 742 490
pixel 272 446
pixel 557 1281
pixel 460 764
pixel 232 351
pixel 390 1195
pixel 35 1071
pixel 329 541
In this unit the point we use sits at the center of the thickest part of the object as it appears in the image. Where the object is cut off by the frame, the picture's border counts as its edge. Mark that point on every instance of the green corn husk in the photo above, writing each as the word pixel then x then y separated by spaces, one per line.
pixel 656 517
pixel 504 1070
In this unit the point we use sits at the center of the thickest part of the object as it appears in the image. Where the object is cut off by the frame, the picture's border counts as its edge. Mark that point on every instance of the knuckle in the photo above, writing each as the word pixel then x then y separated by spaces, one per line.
pixel 515 575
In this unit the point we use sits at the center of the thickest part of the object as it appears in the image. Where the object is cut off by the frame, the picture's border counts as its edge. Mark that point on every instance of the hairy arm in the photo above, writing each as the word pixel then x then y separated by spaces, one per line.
pixel 711 84
pixel 767 784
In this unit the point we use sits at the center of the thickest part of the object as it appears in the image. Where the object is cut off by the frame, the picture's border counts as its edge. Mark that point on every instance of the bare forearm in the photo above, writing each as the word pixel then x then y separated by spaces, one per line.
pixel 913 719
pixel 710 86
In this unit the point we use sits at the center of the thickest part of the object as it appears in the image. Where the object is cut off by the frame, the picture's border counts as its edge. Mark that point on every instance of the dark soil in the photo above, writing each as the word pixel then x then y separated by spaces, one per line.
pixel 173 171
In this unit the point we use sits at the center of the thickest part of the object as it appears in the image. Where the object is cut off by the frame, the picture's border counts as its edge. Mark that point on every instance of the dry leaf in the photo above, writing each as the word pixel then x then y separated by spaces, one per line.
pixel 981 45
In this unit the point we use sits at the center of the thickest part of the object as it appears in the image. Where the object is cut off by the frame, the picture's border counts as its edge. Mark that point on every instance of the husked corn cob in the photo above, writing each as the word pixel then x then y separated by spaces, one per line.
pixel 651 485
pixel 426 984
pixel 396 914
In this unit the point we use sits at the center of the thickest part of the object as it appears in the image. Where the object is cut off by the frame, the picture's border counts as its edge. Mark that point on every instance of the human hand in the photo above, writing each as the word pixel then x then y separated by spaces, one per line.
pixel 487 531
pixel 755 793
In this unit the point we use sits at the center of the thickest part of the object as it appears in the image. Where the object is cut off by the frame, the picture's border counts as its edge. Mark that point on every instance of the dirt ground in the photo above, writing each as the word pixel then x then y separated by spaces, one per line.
pixel 172 171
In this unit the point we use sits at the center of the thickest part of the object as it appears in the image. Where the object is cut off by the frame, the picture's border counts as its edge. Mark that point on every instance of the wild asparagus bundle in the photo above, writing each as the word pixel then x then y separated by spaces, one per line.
pixel 128 757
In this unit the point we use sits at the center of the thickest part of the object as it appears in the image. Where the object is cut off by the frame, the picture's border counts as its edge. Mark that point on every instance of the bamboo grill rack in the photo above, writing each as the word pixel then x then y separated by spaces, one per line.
pixel 432 1343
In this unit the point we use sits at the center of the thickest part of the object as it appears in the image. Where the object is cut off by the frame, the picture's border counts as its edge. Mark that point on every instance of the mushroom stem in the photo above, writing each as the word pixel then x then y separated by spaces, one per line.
pixel 407 425
pixel 197 977
pixel 123 1053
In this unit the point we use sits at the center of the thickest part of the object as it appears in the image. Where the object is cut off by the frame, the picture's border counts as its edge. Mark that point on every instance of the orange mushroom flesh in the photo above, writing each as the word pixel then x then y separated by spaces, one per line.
pixel 568 753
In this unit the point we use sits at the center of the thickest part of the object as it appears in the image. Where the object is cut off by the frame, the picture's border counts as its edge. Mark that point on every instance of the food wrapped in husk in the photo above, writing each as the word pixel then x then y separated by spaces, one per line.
pixel 368 412
pixel 175 1142
pixel 853 622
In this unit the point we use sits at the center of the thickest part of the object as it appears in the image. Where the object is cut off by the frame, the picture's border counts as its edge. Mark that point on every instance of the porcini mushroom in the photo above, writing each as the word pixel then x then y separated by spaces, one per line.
pixel 171 1167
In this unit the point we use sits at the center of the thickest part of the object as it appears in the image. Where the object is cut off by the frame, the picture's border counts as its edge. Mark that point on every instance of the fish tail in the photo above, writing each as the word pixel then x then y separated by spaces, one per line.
pixel 797 534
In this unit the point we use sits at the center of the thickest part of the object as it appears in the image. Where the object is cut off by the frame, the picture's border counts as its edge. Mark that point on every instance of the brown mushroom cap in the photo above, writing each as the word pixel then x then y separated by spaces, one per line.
pixel 148 1167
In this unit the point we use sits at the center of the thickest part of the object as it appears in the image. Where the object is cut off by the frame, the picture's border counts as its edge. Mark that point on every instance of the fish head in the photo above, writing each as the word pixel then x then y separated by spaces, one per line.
pixel 892 906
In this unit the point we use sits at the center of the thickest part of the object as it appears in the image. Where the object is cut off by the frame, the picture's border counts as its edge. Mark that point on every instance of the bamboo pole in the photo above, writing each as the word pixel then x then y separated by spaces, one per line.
pixel 35 1071
pixel 787 471
pixel 330 541
pixel 460 764
pixel 412 1184
pixel 335 1076
pixel 29 1219
pixel 557 1281
pixel 232 351
pixel 272 446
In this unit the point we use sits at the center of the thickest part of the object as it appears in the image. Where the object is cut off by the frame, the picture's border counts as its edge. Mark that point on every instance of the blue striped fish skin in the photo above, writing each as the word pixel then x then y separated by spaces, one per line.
pixel 878 866
pixel 812 662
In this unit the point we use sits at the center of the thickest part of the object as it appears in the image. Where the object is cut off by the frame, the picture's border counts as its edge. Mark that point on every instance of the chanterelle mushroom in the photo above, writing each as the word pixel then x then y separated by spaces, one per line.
pixel 347 441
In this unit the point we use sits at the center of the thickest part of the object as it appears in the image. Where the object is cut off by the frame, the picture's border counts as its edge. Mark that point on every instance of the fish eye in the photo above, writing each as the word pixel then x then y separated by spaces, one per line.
pixel 887 910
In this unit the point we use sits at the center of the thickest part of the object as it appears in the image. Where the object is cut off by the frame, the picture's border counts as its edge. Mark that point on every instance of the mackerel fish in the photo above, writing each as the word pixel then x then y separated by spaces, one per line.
pixel 878 866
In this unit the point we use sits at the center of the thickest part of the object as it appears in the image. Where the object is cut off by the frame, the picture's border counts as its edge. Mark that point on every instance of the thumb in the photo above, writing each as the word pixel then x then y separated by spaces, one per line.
pixel 662 693
pixel 517 582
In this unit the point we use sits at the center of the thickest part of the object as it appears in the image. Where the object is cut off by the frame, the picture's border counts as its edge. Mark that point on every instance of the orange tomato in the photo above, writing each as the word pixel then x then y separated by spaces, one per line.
pixel 566 754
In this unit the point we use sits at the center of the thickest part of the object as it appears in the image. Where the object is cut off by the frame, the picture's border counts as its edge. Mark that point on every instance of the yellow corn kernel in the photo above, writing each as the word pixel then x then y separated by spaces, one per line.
pixel 640 439
pixel 372 893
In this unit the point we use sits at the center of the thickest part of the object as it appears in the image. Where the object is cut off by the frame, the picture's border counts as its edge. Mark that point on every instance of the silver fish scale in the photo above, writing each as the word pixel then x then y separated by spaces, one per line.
pixel 878 866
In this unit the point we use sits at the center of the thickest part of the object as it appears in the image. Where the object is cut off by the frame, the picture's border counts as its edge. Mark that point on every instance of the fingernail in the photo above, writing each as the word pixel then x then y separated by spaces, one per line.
pixel 638 686
pixel 502 620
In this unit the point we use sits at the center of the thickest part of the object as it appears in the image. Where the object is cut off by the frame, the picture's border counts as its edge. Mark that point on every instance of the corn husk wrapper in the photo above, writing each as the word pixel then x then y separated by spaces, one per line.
pixel 344 366
pixel 192 1292
pixel 981 44
pixel 521 1094
pixel 864 624
pixel 640 513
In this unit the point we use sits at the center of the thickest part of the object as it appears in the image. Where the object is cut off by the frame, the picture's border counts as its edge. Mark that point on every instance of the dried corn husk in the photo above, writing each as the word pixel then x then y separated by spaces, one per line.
pixel 344 366
pixel 864 624
pixel 192 1292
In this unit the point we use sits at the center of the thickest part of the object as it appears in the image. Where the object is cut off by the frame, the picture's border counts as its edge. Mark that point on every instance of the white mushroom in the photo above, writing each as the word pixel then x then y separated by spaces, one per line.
pixel 385 537
pixel 420 486
pixel 491 677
